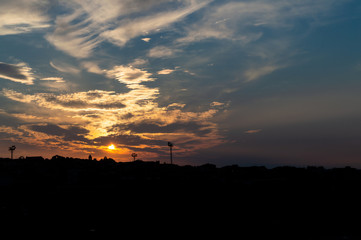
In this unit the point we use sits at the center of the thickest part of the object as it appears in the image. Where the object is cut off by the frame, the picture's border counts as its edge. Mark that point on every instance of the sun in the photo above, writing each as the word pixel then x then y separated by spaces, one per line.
pixel 111 147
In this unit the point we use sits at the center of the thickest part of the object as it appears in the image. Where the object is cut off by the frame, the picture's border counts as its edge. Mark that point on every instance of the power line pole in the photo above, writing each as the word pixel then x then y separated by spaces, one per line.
pixel 170 152
pixel 12 149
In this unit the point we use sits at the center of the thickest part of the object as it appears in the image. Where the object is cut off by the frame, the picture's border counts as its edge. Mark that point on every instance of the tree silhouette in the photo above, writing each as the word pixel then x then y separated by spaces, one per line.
pixel 12 149
pixel 134 155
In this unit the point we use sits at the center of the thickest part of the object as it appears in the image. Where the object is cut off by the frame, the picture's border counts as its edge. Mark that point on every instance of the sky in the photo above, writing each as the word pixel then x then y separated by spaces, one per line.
pixel 251 83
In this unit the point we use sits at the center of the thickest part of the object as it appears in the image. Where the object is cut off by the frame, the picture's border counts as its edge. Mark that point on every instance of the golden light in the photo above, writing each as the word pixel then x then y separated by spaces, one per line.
pixel 111 147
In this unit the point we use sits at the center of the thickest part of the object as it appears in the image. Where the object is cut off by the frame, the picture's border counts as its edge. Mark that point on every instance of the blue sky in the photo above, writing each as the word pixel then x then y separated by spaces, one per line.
pixel 229 82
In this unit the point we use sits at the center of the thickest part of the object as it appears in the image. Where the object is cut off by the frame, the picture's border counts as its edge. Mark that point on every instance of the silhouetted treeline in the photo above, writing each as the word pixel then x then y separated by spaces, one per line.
pixel 89 197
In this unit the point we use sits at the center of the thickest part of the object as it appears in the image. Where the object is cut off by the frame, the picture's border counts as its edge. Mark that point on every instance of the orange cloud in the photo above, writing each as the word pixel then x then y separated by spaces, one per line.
pixel 107 115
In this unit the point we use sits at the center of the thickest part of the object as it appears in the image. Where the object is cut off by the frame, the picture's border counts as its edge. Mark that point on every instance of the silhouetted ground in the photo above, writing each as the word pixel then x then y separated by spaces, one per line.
pixel 88 197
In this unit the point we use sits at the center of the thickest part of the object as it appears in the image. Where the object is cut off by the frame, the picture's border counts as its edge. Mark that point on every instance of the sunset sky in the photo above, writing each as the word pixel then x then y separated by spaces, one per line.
pixel 243 82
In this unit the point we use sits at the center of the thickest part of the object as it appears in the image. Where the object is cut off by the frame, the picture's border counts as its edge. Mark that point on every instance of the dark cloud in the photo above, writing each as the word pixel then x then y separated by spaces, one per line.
pixel 8 120
pixel 127 116
pixel 77 103
pixel 20 72
pixel 93 95
pixel 12 71
pixel 67 103
pixel 127 140
pixel 108 105
pixel 193 127
pixel 73 133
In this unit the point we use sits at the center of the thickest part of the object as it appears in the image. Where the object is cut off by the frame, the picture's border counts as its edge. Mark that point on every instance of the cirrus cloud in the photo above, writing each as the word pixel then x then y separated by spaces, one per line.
pixel 22 16
pixel 86 24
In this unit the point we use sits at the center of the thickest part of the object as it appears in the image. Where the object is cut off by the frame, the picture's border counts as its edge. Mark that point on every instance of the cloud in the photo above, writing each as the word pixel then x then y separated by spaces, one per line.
pixel 134 119
pixel 55 79
pixel 80 30
pixel 138 62
pixel 128 75
pixel 129 29
pixel 92 67
pixel 245 26
pixel 72 133
pixel 22 16
pixel 244 21
pixel 190 73
pixel 252 131
pixel 17 73
pixel 77 40
pixel 254 73
pixel 89 23
pixel 64 67
pixel 161 52
pixel 178 127
pixel 49 137
pixel 165 71
pixel 109 115
pixel 80 101
pixel 104 11
pixel 217 104
pixel 55 84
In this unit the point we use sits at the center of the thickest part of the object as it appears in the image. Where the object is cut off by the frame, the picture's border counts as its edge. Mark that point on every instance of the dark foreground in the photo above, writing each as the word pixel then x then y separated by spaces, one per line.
pixel 86 197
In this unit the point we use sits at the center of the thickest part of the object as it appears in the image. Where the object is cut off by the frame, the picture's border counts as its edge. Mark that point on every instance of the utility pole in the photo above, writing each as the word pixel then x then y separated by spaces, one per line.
pixel 170 152
pixel 12 149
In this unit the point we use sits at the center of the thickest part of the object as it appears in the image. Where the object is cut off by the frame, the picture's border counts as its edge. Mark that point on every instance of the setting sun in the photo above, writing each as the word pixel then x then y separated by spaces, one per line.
pixel 111 147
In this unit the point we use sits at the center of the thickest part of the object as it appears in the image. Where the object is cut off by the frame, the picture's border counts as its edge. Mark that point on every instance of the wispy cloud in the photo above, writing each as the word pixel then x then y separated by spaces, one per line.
pixel 54 84
pixel 255 73
pixel 89 23
pixel 63 67
pixel 55 79
pixel 92 67
pixel 20 72
pixel 245 24
pixel 77 40
pixel 139 26
pixel 22 16
pixel 246 20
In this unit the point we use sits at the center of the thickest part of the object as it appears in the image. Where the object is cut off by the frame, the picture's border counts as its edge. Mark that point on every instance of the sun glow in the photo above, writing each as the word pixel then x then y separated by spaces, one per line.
pixel 111 147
